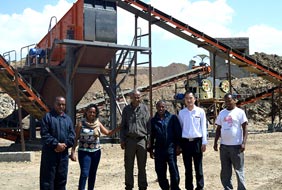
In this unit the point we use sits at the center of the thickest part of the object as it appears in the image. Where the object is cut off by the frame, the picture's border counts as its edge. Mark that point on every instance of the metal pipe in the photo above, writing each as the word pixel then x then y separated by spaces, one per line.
pixel 135 54
pixel 18 101
pixel 150 62
pixel 229 73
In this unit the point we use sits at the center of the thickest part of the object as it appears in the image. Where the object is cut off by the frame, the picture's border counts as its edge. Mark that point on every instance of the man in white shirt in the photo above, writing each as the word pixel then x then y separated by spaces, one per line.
pixel 232 129
pixel 194 139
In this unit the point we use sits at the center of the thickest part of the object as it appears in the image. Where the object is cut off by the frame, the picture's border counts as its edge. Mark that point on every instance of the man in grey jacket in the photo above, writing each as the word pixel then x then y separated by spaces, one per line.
pixel 134 135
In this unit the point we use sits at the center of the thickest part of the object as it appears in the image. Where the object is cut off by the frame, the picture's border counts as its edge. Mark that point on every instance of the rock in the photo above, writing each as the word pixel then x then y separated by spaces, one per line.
pixel 243 86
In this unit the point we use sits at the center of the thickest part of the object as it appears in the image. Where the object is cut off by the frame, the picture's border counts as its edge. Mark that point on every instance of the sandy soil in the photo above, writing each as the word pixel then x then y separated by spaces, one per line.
pixel 263 168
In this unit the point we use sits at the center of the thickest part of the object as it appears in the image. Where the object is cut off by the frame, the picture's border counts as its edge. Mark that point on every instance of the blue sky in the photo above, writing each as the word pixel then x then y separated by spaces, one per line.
pixel 26 22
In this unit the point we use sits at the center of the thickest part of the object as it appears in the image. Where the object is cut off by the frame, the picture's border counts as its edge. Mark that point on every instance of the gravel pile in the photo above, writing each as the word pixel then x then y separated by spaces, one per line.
pixel 259 111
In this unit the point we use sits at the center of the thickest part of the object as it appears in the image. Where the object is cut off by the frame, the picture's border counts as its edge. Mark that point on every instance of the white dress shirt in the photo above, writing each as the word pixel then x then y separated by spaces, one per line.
pixel 193 123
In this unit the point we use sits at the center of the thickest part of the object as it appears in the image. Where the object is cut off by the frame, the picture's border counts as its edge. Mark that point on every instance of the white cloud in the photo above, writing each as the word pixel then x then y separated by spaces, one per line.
pixel 28 27
pixel 264 38
pixel 214 18
pixel 125 24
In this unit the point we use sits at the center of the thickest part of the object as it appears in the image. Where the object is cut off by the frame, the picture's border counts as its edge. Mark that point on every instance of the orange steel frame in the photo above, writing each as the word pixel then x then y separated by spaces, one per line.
pixel 265 95
pixel 33 96
pixel 72 21
pixel 198 70
pixel 13 135
pixel 197 35
pixel 213 42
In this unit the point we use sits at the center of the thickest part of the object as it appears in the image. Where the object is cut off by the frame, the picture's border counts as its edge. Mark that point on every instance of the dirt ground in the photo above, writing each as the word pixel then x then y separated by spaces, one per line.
pixel 263 158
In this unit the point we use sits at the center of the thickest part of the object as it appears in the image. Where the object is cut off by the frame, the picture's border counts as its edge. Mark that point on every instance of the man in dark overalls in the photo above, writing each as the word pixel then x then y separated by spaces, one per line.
pixel 57 135
pixel 165 145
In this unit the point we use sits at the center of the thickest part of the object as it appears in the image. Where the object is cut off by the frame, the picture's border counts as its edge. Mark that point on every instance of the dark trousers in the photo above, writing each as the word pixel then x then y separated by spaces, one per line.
pixel 88 162
pixel 135 148
pixel 164 157
pixel 232 157
pixel 192 152
pixel 53 170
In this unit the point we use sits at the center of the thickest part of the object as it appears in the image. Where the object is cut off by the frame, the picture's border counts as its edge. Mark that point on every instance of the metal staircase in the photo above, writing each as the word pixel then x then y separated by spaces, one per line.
pixel 11 80
pixel 199 38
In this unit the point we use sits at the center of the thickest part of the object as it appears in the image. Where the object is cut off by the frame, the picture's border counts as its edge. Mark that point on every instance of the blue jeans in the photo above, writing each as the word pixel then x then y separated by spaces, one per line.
pixel 164 157
pixel 232 156
pixel 88 162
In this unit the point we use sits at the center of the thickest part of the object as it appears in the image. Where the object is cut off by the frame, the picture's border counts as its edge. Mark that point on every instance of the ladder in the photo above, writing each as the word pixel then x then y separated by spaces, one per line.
pixel 199 38
pixel 29 98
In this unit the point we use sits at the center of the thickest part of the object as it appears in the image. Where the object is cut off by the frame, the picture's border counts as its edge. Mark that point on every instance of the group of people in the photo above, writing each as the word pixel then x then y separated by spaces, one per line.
pixel 58 135
pixel 164 136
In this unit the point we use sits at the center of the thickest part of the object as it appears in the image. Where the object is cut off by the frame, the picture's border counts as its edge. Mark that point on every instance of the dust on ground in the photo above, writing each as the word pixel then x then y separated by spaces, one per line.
pixel 263 167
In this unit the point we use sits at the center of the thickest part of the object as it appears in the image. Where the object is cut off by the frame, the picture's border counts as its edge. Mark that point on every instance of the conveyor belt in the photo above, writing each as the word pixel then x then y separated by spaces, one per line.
pixel 199 38
pixel 258 96
pixel 189 74
pixel 29 99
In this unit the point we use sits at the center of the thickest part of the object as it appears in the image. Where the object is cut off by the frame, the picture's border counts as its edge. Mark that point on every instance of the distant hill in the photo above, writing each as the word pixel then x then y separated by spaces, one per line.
pixel 260 111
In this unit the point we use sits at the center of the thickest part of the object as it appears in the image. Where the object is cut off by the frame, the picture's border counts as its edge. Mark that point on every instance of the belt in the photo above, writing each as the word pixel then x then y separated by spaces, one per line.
pixel 192 139
pixel 231 146
pixel 136 138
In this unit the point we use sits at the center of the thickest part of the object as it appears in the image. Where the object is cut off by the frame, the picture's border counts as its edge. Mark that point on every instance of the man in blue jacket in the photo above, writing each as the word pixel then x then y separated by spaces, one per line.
pixel 165 146
pixel 57 135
